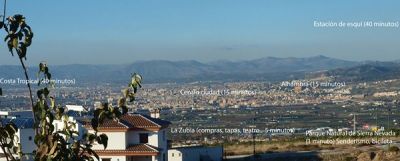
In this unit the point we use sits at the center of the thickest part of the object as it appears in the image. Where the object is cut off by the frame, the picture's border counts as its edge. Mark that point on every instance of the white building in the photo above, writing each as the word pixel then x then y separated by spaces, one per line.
pixel 134 137
pixel 196 153
pixel 25 134
pixel 77 108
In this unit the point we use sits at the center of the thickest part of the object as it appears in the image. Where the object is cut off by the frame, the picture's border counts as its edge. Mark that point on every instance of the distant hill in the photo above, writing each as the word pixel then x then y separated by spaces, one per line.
pixel 291 64
pixel 156 71
pixel 371 71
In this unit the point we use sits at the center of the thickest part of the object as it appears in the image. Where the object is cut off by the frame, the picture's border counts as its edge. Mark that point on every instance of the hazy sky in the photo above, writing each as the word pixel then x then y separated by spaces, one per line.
pixel 124 31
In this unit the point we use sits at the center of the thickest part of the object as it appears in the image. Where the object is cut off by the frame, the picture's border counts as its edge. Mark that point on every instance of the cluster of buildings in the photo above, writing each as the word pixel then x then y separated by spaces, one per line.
pixel 217 94
pixel 134 137
pixel 261 94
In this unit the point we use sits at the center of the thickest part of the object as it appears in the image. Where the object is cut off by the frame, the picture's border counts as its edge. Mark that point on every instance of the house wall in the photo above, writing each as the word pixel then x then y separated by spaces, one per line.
pixel 129 158
pixel 133 137
pixel 194 153
pixel 140 158
pixel 116 140
pixel 174 155
pixel 156 138
pixel 28 145
pixel 26 138
pixel 153 139
pixel 114 158
pixel 162 144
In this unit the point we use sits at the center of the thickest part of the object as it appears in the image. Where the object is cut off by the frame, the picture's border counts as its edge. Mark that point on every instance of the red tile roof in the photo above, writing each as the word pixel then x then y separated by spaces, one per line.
pixel 131 121
pixel 142 148
pixel 142 121
pixel 112 123
pixel 132 150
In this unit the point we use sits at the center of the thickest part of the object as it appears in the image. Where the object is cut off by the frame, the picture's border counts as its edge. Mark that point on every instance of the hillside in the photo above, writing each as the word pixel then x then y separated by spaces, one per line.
pixel 156 71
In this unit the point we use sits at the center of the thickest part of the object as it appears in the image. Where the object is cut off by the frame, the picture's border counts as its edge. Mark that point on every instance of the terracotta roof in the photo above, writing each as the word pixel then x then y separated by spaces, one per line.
pixel 142 148
pixel 142 121
pixel 111 123
pixel 137 149
pixel 131 121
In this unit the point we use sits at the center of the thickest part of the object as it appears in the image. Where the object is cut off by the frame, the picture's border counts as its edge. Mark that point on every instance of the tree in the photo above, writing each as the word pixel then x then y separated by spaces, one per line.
pixel 53 144
pixel 63 144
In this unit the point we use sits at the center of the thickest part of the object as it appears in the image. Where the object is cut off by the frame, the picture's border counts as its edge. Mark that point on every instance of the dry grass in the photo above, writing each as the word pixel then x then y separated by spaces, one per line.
pixel 328 153
pixel 267 147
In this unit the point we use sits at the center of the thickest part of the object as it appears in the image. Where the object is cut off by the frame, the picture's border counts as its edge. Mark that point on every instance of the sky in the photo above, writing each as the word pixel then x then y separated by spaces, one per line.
pixel 125 31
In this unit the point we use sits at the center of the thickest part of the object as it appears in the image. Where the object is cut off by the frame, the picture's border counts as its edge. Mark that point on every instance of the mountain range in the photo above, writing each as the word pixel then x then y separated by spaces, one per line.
pixel 162 71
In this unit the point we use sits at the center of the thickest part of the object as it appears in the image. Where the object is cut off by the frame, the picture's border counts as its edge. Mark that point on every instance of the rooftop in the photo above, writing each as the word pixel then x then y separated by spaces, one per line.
pixel 130 121
pixel 132 150
pixel 21 123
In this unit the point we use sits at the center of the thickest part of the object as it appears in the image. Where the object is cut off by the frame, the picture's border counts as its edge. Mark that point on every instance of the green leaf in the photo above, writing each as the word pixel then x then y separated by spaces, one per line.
pixel 131 97
pixel 102 116
pixel 39 93
pixel 51 128
pixel 91 152
pixel 10 46
pixel 22 50
pixel 117 113
pixel 125 92
pixel 59 113
pixel 48 75
pixel 38 139
pixel 43 149
pixel 19 150
pixel 95 124
pixel 75 147
pixel 90 138
pixel 52 102
pixel 7 37
pixel 121 102
pixel 124 110
pixel 11 128
pixel 53 149
pixel 15 42
pixel 46 92
pixel 104 140
pixel 41 67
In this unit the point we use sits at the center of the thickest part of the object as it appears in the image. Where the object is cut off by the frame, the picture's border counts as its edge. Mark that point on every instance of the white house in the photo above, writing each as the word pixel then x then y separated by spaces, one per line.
pixel 196 153
pixel 26 134
pixel 134 137
pixel 59 126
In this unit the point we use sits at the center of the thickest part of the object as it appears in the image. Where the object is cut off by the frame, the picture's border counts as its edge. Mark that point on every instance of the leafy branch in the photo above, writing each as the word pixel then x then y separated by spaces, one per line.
pixel 64 144
pixel 19 38
pixel 55 144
